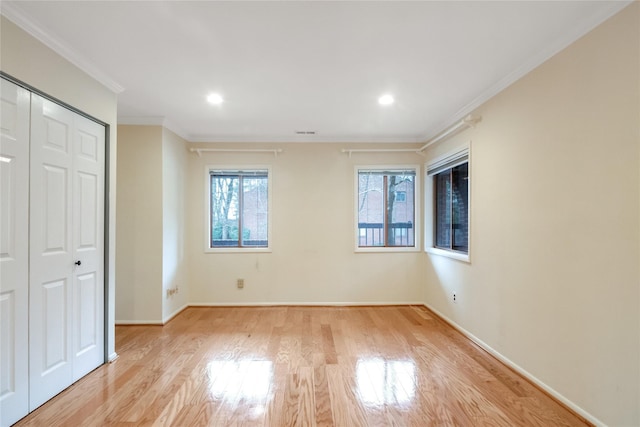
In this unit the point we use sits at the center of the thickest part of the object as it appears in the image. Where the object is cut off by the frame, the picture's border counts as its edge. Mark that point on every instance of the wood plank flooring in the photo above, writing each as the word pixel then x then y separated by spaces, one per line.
pixel 301 366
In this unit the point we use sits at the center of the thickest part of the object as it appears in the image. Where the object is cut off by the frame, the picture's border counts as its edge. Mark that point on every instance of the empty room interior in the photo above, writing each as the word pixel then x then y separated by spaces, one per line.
pixel 320 213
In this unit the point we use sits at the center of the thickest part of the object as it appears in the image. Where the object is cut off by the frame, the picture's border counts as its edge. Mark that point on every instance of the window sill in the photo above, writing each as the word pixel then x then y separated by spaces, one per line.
pixel 460 256
pixel 379 249
pixel 236 250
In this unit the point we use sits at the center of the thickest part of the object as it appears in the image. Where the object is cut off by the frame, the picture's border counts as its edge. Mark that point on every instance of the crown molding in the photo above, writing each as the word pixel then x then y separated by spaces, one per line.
pixel 168 124
pixel 343 139
pixel 154 121
pixel 13 13
pixel 571 36
pixel 142 120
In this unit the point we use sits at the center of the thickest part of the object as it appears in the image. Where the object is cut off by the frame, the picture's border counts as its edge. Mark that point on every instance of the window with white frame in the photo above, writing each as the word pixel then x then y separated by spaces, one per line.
pixel 448 185
pixel 386 207
pixel 238 201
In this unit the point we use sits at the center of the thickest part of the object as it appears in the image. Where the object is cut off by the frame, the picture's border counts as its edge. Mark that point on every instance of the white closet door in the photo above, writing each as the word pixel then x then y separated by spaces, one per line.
pixel 88 246
pixel 66 248
pixel 51 252
pixel 14 253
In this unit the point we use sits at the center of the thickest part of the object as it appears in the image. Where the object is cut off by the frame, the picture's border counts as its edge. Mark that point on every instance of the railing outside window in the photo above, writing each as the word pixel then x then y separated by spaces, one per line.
pixel 373 234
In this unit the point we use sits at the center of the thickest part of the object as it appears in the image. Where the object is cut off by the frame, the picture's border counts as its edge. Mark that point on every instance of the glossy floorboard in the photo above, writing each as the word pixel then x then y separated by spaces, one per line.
pixel 301 366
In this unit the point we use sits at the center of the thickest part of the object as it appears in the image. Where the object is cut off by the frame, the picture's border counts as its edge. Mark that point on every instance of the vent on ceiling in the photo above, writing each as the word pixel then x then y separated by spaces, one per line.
pixel 305 132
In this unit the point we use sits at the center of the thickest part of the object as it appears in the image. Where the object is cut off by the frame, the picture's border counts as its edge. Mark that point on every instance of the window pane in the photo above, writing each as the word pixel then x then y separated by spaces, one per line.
pixel 255 211
pixel 460 208
pixel 386 208
pixel 224 211
pixel 400 210
pixel 443 210
pixel 370 209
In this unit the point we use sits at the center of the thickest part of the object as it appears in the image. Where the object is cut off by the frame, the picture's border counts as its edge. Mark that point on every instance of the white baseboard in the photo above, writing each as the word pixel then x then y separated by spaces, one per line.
pixel 138 322
pixel 152 322
pixel 559 397
pixel 174 314
pixel 112 357
pixel 302 304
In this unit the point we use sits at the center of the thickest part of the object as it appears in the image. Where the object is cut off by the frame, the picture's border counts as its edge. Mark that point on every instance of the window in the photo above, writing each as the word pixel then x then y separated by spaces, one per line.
pixel 386 203
pixel 452 206
pixel 449 183
pixel 238 208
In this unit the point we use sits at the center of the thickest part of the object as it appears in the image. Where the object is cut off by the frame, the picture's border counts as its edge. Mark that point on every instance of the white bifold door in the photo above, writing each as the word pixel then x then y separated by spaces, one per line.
pixel 62 293
pixel 14 252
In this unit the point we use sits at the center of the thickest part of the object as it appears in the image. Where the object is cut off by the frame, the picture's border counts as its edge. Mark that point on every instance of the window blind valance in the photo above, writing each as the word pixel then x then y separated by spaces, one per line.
pixel 404 172
pixel 448 162
pixel 230 172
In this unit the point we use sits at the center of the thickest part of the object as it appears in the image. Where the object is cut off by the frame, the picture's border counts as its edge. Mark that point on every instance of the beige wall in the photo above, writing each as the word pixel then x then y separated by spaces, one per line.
pixel 174 202
pixel 152 165
pixel 140 225
pixel 554 281
pixel 28 60
pixel 313 259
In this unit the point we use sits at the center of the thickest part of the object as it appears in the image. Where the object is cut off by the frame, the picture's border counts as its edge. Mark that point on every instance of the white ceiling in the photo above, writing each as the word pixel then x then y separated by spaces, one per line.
pixel 294 66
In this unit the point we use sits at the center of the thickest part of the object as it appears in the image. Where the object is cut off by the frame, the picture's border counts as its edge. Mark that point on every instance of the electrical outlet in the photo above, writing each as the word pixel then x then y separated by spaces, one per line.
pixel 455 297
pixel 240 283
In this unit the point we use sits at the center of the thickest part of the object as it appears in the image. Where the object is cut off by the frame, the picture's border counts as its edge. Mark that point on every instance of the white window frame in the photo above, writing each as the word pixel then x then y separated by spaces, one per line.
pixel 429 222
pixel 416 207
pixel 207 208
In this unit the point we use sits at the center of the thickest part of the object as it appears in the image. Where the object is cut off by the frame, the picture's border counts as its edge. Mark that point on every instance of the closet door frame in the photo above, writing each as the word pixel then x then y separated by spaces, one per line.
pixel 106 205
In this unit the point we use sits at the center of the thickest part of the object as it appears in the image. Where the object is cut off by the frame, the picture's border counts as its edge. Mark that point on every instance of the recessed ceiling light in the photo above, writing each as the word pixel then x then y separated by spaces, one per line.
pixel 215 99
pixel 386 100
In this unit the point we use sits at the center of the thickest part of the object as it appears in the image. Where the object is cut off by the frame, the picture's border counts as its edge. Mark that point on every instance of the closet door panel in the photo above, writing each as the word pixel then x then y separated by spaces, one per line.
pixel 54 303
pixel 51 252
pixel 14 252
pixel 88 244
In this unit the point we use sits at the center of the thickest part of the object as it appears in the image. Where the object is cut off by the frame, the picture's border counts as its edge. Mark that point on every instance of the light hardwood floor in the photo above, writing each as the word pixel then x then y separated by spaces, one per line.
pixel 301 366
